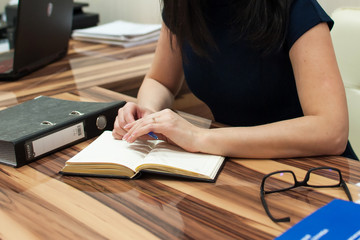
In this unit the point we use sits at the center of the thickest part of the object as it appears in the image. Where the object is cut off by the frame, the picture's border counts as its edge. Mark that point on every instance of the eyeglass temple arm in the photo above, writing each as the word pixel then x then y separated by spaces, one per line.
pixel 286 219
pixel 346 189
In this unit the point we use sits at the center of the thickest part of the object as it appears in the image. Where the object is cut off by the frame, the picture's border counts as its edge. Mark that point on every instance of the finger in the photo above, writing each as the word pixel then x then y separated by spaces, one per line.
pixel 116 135
pixel 148 120
pixel 128 126
pixel 118 131
pixel 129 116
pixel 116 122
pixel 141 128
pixel 121 120
pixel 141 132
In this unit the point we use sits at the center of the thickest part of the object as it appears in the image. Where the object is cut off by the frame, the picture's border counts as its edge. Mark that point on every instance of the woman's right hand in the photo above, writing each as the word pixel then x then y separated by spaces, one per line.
pixel 129 113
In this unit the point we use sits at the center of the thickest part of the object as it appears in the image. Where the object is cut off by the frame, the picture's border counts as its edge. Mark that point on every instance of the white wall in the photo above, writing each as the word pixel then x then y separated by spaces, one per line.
pixel 331 5
pixel 143 11
pixel 2 4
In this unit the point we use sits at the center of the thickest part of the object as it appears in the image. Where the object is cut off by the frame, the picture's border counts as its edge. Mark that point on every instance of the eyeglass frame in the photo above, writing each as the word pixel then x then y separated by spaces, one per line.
pixel 303 183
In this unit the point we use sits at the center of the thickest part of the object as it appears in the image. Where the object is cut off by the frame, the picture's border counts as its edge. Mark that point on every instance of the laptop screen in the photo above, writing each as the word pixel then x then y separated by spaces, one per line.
pixel 42 32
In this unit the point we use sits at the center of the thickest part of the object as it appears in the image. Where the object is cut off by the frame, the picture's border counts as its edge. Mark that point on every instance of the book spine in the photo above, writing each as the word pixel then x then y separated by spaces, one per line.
pixel 64 135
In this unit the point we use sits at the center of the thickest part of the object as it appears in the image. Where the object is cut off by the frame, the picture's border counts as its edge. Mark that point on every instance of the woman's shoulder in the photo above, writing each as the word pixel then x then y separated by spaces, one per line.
pixel 304 15
pixel 307 8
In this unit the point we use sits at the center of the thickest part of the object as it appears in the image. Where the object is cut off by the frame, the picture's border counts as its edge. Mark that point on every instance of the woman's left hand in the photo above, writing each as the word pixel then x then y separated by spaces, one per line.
pixel 168 126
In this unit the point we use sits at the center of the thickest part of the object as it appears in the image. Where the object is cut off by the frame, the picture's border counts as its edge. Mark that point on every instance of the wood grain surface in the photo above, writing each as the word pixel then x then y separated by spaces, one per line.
pixel 85 65
pixel 36 202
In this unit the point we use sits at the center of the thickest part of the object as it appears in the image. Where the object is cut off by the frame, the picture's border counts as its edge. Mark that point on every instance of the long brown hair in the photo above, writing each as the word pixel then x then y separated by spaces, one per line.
pixel 263 22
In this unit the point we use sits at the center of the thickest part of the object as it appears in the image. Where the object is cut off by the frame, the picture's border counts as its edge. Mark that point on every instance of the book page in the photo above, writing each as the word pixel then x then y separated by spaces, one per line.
pixel 107 150
pixel 172 156
pixel 120 29
pixel 122 33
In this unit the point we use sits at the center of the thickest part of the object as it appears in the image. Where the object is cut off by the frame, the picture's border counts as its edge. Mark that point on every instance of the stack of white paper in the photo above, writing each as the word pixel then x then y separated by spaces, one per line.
pixel 125 34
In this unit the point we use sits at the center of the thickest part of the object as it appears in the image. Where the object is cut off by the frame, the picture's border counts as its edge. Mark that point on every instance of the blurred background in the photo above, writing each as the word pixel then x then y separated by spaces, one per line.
pixel 148 11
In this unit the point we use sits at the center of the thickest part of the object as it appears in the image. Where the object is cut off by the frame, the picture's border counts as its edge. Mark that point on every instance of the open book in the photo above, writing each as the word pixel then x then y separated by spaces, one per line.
pixel 107 156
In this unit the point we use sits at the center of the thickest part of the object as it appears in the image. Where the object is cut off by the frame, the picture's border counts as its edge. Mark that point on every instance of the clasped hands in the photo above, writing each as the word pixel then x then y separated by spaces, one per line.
pixel 133 122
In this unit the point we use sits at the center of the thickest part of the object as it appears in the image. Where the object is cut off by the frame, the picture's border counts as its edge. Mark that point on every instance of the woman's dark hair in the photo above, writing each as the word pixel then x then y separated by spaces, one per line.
pixel 262 22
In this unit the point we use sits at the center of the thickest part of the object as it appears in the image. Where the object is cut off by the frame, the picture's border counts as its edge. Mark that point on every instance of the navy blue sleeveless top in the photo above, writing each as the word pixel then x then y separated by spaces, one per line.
pixel 241 86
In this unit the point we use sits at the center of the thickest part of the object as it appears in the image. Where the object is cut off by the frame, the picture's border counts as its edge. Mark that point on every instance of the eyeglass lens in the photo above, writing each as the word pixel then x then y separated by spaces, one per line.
pixel 324 178
pixel 279 181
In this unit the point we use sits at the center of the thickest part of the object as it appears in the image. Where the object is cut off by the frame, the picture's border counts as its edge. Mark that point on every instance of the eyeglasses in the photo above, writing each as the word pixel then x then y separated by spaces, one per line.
pixel 281 181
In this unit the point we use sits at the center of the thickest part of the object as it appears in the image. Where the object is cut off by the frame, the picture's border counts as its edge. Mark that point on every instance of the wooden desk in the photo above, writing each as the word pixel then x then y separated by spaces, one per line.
pixel 36 202
pixel 86 65
pixel 89 64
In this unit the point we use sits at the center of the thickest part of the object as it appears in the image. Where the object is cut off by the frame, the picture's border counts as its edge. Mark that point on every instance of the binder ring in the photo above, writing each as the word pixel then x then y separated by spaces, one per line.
pixel 76 113
pixel 101 122
pixel 47 123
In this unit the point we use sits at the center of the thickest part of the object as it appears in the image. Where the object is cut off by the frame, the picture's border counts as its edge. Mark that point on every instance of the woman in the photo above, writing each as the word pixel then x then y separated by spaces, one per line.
pixel 267 68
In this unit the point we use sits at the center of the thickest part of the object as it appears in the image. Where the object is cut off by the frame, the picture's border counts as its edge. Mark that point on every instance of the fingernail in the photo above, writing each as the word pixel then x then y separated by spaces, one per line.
pixel 130 138
pixel 127 126
pixel 125 136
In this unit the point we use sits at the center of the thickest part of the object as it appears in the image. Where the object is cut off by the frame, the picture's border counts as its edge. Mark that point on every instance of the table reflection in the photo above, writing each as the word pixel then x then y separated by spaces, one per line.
pixel 85 65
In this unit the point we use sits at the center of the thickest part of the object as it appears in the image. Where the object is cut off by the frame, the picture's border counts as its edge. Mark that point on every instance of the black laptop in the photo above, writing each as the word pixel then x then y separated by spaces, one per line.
pixel 43 29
